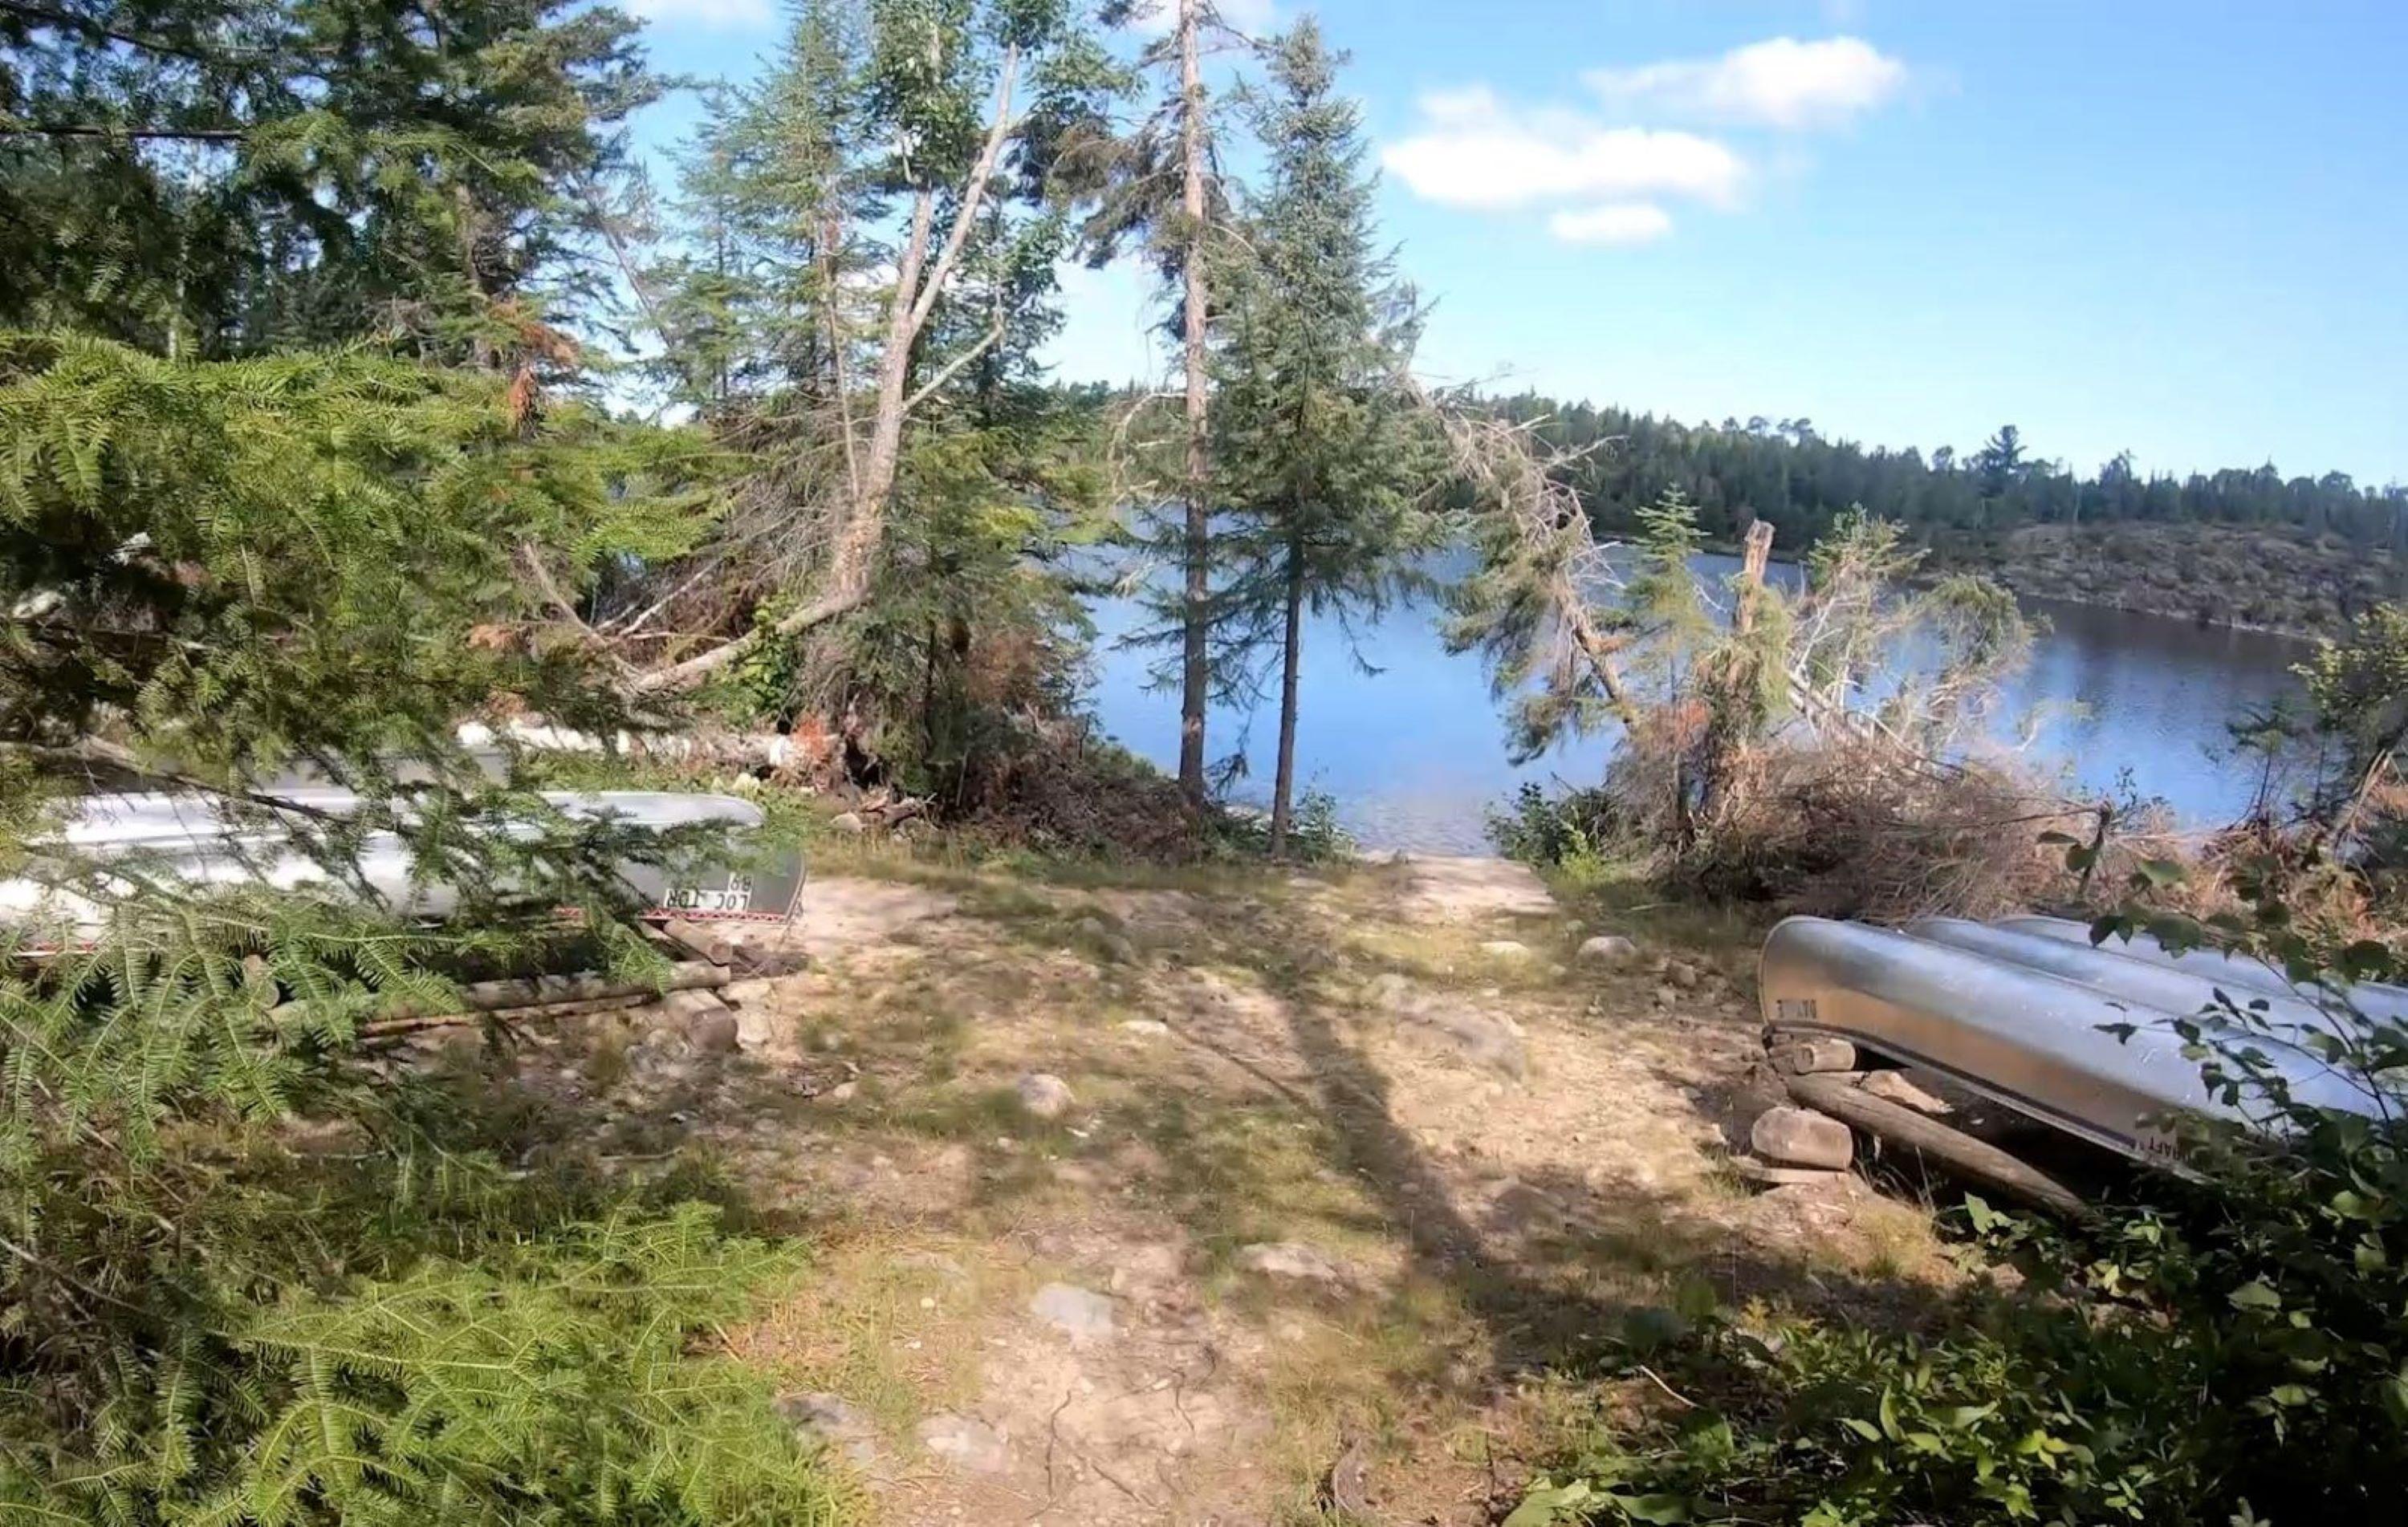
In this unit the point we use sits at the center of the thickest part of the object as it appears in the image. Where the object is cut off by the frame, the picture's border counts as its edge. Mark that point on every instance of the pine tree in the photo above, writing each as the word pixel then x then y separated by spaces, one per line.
pixel 1163 188
pixel 1321 451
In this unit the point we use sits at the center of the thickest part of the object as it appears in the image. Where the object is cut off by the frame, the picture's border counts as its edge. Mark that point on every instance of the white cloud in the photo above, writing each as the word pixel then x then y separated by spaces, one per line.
pixel 1614 222
pixel 1780 82
pixel 1475 151
pixel 706 13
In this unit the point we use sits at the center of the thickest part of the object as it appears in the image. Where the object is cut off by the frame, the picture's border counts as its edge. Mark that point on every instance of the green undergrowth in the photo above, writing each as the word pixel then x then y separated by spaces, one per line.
pixel 248 1274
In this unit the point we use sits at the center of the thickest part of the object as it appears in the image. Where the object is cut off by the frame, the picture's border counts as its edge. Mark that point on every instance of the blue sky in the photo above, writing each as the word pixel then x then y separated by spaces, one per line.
pixel 2176 228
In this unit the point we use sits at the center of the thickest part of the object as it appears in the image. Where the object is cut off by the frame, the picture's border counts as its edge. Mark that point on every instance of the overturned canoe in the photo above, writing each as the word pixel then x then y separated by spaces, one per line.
pixel 2244 976
pixel 201 841
pixel 2032 1021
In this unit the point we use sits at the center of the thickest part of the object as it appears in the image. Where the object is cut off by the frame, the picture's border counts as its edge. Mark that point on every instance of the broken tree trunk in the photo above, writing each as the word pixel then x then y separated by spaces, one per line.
pixel 921 278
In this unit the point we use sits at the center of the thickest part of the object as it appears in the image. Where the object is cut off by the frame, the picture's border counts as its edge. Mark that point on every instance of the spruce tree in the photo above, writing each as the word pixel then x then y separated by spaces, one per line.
pixel 1322 454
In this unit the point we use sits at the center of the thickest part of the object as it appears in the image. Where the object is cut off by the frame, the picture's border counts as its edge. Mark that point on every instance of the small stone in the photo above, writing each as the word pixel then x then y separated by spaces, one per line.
pixel 1290 1260
pixel 971 1446
pixel 759 1028
pixel 1893 1086
pixel 1683 975
pixel 1802 1138
pixel 1044 1095
pixel 842 1092
pixel 832 1422
pixel 1667 997
pixel 1080 1314
pixel 1611 950
pixel 1506 949
pixel 750 990
pixel 849 822
pixel 1145 1028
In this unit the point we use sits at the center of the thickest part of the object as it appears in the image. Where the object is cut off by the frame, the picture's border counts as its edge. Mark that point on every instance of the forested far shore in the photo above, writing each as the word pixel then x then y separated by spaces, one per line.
pixel 2243 547
pixel 1788 472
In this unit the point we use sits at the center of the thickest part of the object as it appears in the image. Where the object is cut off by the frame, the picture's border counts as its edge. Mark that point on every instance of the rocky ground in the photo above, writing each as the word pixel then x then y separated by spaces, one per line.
pixel 1243 1198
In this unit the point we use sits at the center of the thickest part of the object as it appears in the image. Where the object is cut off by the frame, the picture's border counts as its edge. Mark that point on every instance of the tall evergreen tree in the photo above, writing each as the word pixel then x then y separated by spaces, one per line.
pixel 1162 187
pixel 1322 455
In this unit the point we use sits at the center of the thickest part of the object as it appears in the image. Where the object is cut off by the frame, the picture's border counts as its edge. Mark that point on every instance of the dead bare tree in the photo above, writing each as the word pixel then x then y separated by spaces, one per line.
pixel 1535 609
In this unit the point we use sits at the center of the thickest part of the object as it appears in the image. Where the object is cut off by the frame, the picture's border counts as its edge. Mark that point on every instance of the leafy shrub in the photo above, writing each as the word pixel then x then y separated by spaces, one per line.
pixel 1550 831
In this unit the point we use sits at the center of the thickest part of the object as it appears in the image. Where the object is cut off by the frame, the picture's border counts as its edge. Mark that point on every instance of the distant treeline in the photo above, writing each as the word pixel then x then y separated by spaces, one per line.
pixel 1787 472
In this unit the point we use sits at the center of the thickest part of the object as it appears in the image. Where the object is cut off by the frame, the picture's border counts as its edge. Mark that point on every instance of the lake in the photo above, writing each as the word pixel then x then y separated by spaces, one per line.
pixel 1410 743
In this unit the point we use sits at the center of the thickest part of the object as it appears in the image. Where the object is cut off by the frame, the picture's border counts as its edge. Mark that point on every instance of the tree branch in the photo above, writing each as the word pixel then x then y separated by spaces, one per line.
pixel 973 192
pixel 99 31
pixel 953 368
pixel 841 601
pixel 111 130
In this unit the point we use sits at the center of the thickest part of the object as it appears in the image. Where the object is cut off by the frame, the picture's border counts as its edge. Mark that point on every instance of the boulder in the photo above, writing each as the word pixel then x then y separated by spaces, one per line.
pixel 1045 1095
pixel 1488 1041
pixel 759 1028
pixel 829 1421
pixel 849 822
pixel 1792 1136
pixel 1506 949
pixel 1611 950
pixel 1484 1040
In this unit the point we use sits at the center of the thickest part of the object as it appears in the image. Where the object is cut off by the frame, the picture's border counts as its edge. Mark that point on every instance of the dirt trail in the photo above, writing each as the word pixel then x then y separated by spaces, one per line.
pixel 1346 1162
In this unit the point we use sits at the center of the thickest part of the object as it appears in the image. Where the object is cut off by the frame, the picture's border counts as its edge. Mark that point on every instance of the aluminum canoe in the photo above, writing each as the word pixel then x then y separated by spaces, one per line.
pixel 2028 1020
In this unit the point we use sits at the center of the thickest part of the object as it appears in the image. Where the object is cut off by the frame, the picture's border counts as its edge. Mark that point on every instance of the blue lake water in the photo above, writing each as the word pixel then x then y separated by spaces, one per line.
pixel 1412 746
